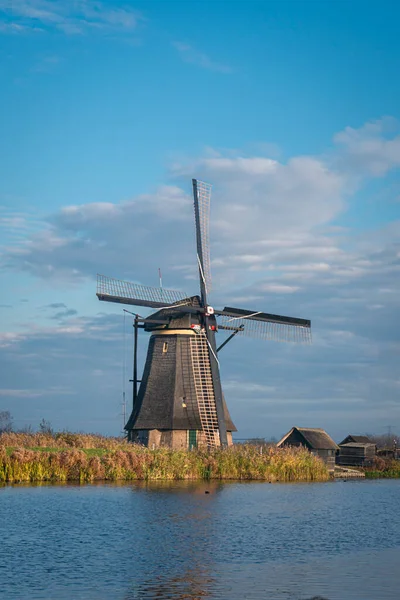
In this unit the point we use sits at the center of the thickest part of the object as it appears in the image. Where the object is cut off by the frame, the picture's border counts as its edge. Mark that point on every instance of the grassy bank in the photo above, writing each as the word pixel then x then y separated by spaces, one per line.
pixel 86 458
pixel 383 468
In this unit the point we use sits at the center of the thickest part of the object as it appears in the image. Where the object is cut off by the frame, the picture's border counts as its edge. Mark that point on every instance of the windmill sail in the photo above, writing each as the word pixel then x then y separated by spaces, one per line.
pixel 265 325
pixel 125 292
pixel 202 197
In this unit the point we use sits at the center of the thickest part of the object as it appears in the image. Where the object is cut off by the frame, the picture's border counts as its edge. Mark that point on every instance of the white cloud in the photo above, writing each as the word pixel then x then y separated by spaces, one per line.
pixel 15 28
pixel 73 18
pixel 249 166
pixel 33 393
pixel 46 64
pixel 278 288
pixel 374 148
pixel 272 230
pixel 9 337
pixel 271 234
pixel 168 202
pixel 82 240
pixel 261 199
pixel 193 56
pixel 47 356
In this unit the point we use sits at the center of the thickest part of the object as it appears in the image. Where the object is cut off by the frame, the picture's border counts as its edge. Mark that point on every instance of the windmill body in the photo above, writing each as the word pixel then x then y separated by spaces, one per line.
pixel 180 403
pixel 175 405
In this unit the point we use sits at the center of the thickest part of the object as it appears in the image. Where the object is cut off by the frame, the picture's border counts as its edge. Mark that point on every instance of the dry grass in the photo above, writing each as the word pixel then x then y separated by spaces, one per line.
pixel 73 457
pixel 62 439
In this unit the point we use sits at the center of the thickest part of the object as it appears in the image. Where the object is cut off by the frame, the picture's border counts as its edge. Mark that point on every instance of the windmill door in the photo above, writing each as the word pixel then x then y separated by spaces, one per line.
pixel 192 438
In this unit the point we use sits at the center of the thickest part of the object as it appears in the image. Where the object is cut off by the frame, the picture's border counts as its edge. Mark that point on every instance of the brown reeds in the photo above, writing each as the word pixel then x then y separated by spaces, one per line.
pixel 383 467
pixel 86 458
pixel 62 439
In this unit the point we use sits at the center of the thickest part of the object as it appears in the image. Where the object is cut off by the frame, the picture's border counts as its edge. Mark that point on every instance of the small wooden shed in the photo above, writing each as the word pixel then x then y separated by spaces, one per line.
pixel 356 454
pixel 317 441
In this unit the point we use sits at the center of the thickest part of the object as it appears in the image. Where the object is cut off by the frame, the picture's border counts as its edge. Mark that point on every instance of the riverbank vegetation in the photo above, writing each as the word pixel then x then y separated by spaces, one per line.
pixel 387 468
pixel 59 457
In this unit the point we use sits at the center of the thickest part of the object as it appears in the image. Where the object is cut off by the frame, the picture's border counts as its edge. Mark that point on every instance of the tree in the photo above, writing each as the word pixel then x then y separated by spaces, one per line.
pixel 6 422
pixel 385 440
pixel 45 427
pixel 26 429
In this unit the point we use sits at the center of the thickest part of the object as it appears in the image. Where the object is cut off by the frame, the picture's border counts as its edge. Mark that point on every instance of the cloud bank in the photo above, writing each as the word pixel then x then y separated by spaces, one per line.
pixel 280 242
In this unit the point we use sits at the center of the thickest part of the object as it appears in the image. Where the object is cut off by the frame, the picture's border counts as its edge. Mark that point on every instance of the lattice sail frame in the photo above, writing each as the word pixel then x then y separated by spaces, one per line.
pixel 107 286
pixel 266 330
pixel 204 199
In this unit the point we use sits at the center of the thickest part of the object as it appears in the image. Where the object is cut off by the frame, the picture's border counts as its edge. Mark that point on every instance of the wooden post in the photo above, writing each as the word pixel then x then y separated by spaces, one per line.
pixel 135 345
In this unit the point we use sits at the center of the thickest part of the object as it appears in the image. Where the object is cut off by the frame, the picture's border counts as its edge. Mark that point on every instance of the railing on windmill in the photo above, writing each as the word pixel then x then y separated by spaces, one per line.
pixel 125 292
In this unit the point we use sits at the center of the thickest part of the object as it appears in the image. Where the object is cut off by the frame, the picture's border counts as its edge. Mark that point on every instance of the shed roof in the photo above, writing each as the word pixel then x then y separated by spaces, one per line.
pixel 356 445
pixel 316 438
pixel 364 439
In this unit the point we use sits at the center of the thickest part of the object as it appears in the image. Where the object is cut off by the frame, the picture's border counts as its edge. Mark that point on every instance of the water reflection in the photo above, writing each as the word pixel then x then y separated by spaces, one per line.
pixel 195 584
pixel 198 488
pixel 178 538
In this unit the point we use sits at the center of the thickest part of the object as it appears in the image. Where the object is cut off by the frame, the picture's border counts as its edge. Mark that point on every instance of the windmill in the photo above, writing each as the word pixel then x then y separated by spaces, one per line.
pixel 180 401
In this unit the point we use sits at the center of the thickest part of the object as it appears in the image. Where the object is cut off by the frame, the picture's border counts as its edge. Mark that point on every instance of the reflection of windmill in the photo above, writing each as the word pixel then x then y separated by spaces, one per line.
pixel 174 558
pixel 180 401
pixel 193 584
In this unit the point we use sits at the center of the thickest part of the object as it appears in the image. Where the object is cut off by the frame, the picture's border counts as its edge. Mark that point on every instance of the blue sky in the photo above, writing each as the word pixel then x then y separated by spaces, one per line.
pixel 290 110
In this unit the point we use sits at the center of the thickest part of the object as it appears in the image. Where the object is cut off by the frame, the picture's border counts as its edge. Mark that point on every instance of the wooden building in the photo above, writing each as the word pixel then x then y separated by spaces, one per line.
pixel 356 451
pixel 317 441
pixel 356 454
pixel 393 453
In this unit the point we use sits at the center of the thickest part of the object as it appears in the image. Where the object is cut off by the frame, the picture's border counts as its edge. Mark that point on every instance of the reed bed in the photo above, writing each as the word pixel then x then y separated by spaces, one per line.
pixel 386 468
pixel 60 460
pixel 62 439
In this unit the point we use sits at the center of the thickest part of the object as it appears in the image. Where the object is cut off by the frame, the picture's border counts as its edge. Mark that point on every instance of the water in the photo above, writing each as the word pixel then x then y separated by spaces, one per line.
pixel 339 541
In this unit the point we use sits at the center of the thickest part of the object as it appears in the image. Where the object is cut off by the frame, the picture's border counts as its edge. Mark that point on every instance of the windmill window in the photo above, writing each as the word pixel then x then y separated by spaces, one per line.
pixel 192 438
pixel 165 347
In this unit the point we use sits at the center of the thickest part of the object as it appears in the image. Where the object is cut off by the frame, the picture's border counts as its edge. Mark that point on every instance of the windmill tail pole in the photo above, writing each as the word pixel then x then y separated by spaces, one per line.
pixel 230 337
pixel 135 346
